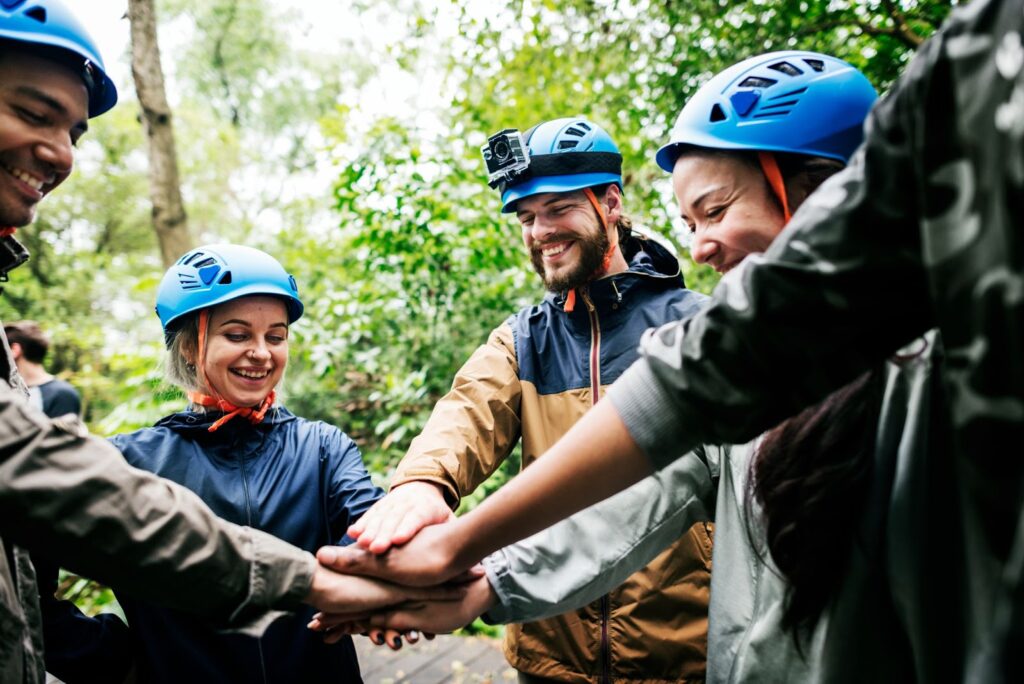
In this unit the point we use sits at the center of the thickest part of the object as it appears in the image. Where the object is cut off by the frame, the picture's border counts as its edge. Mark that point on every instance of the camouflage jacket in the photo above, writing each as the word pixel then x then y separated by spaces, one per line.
pixel 73 495
pixel 923 229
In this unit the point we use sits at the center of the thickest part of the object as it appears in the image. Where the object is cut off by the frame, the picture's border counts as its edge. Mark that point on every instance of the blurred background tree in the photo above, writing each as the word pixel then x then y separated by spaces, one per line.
pixel 357 164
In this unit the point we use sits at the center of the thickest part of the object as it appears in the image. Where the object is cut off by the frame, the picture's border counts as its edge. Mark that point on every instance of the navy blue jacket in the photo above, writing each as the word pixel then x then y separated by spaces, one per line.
pixel 300 480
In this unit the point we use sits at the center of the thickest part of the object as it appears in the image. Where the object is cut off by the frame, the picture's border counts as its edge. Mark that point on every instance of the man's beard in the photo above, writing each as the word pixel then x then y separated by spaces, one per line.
pixel 592 249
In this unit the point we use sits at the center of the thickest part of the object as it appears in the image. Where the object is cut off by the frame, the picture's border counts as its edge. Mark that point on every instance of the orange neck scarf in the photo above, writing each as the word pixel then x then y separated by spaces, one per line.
pixel 254 415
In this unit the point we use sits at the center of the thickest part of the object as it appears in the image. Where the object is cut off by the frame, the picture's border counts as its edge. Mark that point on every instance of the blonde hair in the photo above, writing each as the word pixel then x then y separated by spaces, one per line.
pixel 184 345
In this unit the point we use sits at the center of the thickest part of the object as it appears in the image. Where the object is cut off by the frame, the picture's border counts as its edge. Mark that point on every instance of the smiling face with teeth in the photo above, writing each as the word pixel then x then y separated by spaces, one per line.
pixel 43 111
pixel 247 348
pixel 564 236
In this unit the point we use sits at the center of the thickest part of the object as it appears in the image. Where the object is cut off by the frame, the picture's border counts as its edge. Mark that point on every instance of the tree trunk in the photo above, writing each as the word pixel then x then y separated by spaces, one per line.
pixel 169 220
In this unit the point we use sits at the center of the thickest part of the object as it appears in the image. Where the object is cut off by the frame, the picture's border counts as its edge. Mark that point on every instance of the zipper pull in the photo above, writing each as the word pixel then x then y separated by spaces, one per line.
pixel 585 293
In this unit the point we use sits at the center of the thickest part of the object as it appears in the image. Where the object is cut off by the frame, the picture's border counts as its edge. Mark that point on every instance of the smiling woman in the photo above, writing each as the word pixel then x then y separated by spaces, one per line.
pixel 226 312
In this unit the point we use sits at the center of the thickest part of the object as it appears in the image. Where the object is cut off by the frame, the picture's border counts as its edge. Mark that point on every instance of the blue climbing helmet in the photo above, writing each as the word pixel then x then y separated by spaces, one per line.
pixel 214 274
pixel 794 101
pixel 561 155
pixel 50 24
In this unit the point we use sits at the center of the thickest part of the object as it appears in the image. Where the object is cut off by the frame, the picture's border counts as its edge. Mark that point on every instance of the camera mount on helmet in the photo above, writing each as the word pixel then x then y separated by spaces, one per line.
pixel 507 157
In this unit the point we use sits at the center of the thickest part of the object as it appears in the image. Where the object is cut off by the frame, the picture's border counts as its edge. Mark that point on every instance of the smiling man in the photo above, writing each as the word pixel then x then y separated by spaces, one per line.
pixel 537 374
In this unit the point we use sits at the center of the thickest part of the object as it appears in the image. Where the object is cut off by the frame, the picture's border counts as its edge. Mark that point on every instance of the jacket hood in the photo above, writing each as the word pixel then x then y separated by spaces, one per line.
pixel 645 255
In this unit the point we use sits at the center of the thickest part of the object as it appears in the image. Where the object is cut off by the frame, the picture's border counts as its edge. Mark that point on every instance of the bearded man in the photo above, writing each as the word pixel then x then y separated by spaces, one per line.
pixel 536 375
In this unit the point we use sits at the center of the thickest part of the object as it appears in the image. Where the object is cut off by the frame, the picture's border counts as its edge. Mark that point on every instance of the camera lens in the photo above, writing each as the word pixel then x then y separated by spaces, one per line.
pixel 501 150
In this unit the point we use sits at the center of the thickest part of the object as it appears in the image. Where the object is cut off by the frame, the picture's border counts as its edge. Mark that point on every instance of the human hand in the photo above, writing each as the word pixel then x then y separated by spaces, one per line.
pixel 397 517
pixel 335 592
pixel 430 617
pixel 431 557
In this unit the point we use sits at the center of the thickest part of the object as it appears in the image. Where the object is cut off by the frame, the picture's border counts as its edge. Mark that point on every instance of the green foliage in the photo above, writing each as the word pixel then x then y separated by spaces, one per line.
pixel 421 269
pixel 480 628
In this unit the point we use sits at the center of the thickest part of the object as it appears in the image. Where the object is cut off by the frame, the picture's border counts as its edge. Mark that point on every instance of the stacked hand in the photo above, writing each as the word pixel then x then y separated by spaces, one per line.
pixel 405 543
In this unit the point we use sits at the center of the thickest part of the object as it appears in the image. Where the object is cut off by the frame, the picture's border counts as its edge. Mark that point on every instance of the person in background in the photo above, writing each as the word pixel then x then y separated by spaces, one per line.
pixel 29 345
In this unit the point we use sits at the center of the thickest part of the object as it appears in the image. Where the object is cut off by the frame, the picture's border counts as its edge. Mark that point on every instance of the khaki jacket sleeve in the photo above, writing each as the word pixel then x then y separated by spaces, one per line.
pixel 473 427
pixel 76 498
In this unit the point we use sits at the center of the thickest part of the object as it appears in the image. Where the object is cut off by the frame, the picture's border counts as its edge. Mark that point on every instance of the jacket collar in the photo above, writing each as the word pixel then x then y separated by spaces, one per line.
pixel 190 422
pixel 650 266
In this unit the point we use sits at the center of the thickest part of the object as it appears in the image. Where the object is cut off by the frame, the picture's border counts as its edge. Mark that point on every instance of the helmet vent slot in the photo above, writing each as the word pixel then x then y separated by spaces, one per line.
pixel 187 281
pixel 225 279
pixel 189 258
pixel 575 131
pixel 37 13
pixel 717 114
pixel 757 82
pixel 208 261
pixel 791 93
pixel 584 125
pixel 776 105
pixel 816 64
pixel 567 144
pixel 786 68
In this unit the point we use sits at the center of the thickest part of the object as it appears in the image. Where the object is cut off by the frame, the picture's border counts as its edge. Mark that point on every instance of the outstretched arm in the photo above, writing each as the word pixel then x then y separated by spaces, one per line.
pixel 598 446
pixel 471 431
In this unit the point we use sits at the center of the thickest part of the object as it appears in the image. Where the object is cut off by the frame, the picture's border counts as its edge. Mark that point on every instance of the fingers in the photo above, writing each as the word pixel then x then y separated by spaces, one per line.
pixel 393 639
pixel 399 516
pixel 432 513
pixel 347 559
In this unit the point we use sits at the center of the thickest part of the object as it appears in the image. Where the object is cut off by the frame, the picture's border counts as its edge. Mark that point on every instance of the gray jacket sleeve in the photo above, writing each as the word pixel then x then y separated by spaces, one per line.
pixel 75 497
pixel 583 557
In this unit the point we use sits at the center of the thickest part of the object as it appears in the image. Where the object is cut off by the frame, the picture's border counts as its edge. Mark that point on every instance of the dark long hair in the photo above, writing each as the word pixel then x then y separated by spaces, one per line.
pixel 810 477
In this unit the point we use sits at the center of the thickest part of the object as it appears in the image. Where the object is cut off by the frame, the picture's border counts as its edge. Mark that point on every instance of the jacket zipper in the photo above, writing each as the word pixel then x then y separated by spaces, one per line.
pixel 248 519
pixel 595 395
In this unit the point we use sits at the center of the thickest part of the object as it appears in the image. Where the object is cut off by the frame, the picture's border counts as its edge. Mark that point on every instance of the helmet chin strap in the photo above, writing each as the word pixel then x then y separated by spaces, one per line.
pixel 255 415
pixel 570 297
pixel 771 171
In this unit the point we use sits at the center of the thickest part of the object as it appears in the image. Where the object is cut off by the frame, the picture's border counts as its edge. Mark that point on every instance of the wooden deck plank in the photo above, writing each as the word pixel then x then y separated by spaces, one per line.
pixel 445 660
